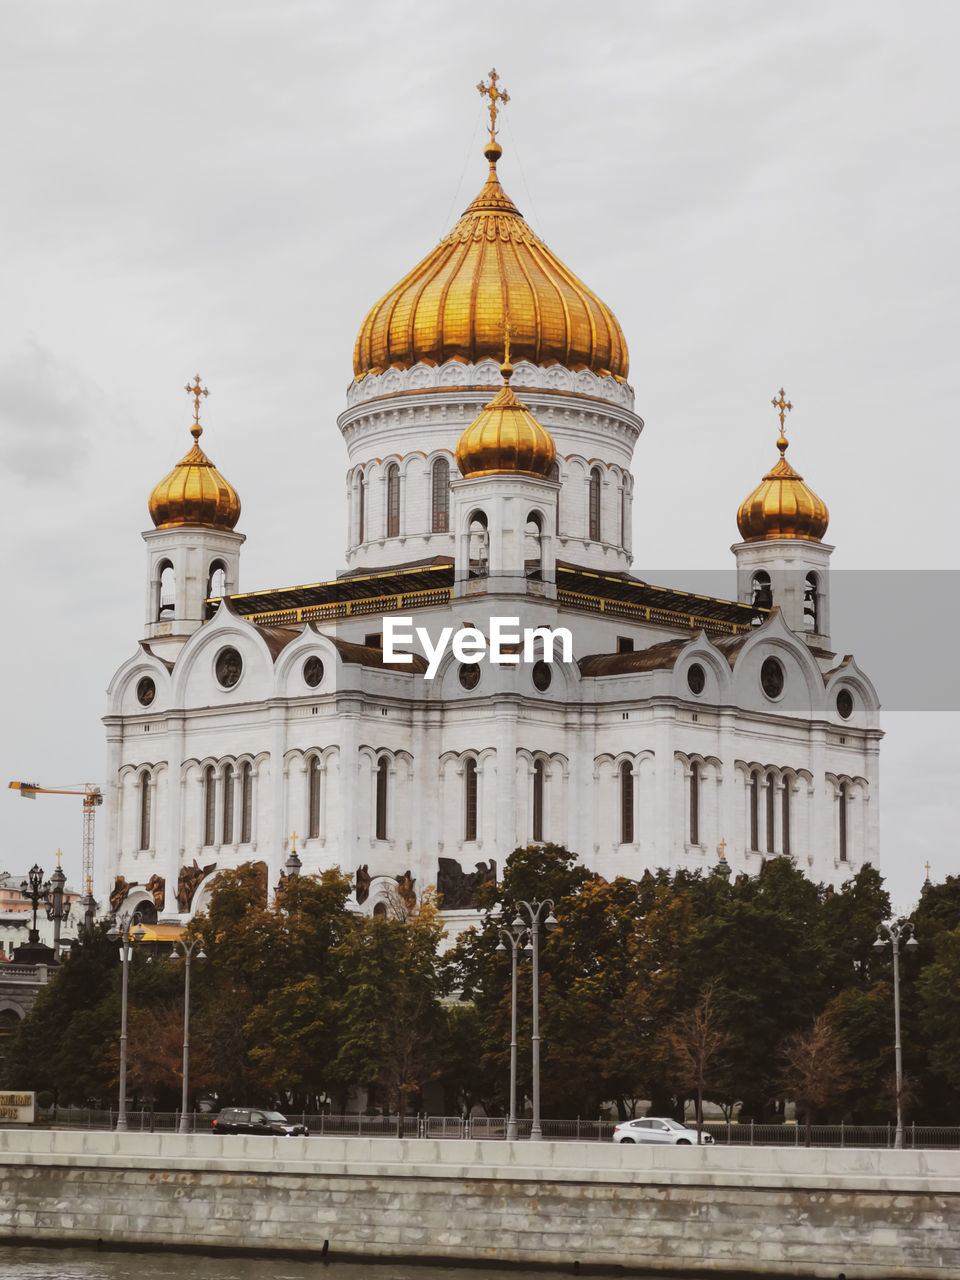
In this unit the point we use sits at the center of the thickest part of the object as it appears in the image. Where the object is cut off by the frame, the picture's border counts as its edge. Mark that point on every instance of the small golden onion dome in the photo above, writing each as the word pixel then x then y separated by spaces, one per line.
pixel 782 506
pixel 505 437
pixel 195 493
pixel 453 304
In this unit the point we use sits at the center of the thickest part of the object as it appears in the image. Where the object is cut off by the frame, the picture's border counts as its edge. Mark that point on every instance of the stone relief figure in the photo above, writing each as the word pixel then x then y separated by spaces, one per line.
pixel 458 888
pixel 120 890
pixel 157 888
pixel 188 881
pixel 405 885
pixel 363 884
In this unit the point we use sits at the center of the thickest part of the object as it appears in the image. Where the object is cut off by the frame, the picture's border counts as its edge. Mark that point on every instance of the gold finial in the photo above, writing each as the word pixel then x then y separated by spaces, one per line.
pixel 294 845
pixel 60 855
pixel 495 95
pixel 506 368
pixel 722 847
pixel 196 391
pixel 927 866
pixel 783 405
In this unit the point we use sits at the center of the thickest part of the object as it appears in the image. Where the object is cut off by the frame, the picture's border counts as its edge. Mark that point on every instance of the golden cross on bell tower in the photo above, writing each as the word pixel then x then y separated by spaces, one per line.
pixel 196 391
pixel 784 406
pixel 495 95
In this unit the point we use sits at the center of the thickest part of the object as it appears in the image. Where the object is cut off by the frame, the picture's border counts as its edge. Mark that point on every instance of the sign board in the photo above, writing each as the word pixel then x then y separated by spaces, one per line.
pixel 18 1108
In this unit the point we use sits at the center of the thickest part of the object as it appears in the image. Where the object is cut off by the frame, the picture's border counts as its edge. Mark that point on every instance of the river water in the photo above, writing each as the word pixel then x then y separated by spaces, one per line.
pixel 54 1263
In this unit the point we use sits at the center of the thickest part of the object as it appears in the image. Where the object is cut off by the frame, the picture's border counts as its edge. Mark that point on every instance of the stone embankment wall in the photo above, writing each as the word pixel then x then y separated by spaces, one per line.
pixel 825 1213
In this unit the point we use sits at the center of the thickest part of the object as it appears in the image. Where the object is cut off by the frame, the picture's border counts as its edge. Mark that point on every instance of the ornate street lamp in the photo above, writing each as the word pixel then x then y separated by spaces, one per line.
pixel 57 910
pixel 188 948
pixel 513 937
pixel 127 930
pixel 895 934
pixel 536 912
pixel 36 891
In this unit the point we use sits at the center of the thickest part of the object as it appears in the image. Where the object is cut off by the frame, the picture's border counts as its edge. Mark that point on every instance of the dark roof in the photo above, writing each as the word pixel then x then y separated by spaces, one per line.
pixel 659 657
pixel 369 656
pixel 632 598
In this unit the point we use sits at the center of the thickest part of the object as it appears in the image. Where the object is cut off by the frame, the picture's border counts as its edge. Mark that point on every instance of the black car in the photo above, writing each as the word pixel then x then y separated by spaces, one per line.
pixel 255 1120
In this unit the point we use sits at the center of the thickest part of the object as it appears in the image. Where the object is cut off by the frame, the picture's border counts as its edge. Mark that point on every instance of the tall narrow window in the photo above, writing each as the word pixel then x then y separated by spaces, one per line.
pixel 755 810
pixel 246 802
pixel 382 768
pixel 843 822
pixel 361 503
pixel 785 817
pixel 762 590
pixel 393 500
pixel 217 579
pixel 695 802
pixel 595 505
pixel 771 809
pixel 626 803
pixel 554 475
pixel 533 545
pixel 479 545
pixel 166 592
pixel 144 811
pixel 209 805
pixel 811 603
pixel 441 495
pixel 538 800
pixel 227 836
pixel 470 800
pixel 313 800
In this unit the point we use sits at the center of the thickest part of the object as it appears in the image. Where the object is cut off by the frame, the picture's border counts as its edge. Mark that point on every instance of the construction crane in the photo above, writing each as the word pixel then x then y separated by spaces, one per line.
pixel 92 797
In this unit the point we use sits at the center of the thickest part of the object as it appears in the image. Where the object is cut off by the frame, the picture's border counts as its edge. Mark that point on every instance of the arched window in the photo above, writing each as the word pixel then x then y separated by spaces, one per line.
pixel 479 545
pixel 785 817
pixel 246 802
pixel 695 802
pixel 844 795
pixel 393 500
pixel 755 810
pixel 771 808
pixel 382 768
pixel 145 811
pixel 470 800
pixel 217 580
pixel 624 514
pixel 554 475
pixel 626 803
pixel 361 502
pixel 538 800
pixel 209 805
pixel 227 837
pixel 166 592
pixel 313 800
pixel 533 545
pixel 440 492
pixel 595 481
pixel 811 603
pixel 762 591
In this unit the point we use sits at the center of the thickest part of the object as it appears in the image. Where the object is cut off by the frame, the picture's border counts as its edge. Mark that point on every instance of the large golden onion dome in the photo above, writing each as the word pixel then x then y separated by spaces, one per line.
pixel 453 304
pixel 505 437
pixel 195 493
pixel 782 506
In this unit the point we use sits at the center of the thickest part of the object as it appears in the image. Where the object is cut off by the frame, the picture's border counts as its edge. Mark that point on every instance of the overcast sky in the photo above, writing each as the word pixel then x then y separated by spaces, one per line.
pixel 765 194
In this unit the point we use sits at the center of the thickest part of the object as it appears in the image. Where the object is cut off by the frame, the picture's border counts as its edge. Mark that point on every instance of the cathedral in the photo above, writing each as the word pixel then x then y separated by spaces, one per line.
pixel 488 671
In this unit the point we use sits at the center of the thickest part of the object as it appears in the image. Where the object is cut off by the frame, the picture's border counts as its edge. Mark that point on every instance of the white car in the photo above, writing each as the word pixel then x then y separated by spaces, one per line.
pixel 656 1129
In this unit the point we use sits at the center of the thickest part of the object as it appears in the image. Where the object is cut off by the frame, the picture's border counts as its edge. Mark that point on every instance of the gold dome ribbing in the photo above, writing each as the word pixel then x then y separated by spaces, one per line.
pixel 453 304
pixel 505 437
pixel 195 493
pixel 782 506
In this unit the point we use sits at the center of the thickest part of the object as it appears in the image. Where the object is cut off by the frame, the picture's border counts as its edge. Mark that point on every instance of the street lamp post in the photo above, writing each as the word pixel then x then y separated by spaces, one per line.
pixel 35 890
pixel 536 912
pixel 188 947
pixel 127 930
pixel 895 933
pixel 57 910
pixel 513 937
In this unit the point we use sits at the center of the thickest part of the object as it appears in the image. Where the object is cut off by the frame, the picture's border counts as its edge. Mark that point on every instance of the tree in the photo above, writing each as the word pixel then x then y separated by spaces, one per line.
pixel 816 1069
pixel 697 1042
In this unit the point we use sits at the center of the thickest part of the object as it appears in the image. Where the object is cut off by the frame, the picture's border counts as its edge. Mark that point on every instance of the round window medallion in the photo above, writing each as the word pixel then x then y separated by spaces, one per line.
pixel 771 678
pixel 146 691
pixel 541 676
pixel 229 667
pixel 312 672
pixel 469 674
pixel 845 703
pixel 696 678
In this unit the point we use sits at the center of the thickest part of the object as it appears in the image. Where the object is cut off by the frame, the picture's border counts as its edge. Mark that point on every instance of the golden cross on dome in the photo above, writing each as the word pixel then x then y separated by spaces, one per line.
pixel 495 95
pixel 783 405
pixel 196 391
